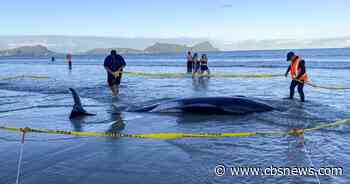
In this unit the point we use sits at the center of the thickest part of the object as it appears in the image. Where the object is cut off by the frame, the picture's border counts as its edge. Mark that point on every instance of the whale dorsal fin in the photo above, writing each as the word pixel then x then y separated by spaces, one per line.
pixel 78 109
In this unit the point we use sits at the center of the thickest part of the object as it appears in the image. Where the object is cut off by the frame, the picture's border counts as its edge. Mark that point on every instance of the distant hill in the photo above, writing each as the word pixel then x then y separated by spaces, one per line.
pixel 166 48
pixel 28 51
pixel 42 51
pixel 175 48
pixel 156 48
pixel 79 44
pixel 204 47
pixel 104 51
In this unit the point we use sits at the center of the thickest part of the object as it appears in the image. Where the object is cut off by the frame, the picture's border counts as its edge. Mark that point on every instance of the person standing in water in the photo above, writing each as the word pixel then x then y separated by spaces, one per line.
pixel 196 64
pixel 204 64
pixel 69 61
pixel 298 74
pixel 189 62
pixel 114 64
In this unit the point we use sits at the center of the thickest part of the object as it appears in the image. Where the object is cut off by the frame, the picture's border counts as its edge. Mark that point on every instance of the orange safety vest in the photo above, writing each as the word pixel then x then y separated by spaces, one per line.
pixel 295 70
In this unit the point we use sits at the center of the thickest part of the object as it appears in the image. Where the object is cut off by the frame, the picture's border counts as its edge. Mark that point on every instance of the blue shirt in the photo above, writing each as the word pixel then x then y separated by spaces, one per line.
pixel 114 63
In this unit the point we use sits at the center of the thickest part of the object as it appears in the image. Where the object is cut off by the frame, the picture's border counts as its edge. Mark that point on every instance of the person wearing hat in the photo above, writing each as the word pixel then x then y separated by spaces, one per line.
pixel 298 75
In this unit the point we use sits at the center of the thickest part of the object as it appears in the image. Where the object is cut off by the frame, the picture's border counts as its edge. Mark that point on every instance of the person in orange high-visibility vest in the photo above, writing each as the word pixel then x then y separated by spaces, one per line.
pixel 298 74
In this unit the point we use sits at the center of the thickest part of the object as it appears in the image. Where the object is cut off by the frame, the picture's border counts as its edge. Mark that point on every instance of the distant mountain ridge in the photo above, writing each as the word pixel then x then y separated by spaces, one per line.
pixel 156 48
pixel 42 51
pixel 28 51
pixel 104 51
pixel 175 48
pixel 79 44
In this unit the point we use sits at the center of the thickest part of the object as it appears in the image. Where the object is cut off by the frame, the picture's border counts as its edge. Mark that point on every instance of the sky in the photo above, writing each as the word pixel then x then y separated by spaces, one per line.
pixel 225 20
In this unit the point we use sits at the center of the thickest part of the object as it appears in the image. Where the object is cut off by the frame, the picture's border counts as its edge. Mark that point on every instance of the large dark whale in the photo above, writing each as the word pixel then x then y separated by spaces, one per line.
pixel 204 105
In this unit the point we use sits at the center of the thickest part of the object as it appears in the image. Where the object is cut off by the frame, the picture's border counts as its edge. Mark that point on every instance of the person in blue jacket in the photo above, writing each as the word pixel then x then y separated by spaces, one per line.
pixel 114 64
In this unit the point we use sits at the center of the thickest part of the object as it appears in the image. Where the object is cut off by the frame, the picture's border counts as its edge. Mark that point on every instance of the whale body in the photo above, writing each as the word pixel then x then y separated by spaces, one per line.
pixel 209 105
pixel 203 105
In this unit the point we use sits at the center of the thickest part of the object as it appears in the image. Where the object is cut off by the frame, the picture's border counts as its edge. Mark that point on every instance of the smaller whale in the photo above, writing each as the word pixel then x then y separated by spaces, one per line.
pixel 238 105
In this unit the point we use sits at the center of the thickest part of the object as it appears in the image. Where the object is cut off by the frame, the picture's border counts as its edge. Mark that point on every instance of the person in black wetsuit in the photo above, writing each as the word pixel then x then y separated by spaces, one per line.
pixel 189 62
pixel 298 74
pixel 114 64
pixel 196 64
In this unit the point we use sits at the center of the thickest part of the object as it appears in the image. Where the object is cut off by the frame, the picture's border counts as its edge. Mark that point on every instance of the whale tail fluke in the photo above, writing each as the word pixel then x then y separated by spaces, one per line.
pixel 78 109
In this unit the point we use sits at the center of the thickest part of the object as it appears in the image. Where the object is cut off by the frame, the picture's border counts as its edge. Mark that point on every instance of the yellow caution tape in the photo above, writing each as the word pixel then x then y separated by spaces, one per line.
pixel 178 75
pixel 294 132
pixel 142 136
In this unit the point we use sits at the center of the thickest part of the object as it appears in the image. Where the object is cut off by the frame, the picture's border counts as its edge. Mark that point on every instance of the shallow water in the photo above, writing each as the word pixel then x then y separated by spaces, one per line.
pixel 65 159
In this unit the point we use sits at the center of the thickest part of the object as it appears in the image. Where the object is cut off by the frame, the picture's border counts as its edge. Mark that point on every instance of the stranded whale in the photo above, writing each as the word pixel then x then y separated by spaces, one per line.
pixel 205 105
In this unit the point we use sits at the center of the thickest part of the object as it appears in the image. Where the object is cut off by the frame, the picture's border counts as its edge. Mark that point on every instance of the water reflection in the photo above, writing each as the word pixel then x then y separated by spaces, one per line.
pixel 118 124
pixel 116 119
pixel 200 83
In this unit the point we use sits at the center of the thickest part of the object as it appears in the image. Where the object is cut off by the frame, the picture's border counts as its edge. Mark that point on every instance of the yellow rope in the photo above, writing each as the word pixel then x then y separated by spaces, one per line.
pixel 12 78
pixel 178 75
pixel 24 76
pixel 323 87
pixel 331 125
pixel 327 87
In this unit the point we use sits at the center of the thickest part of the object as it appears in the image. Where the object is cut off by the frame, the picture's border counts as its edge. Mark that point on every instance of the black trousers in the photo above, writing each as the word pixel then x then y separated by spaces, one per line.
pixel 189 66
pixel 300 85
